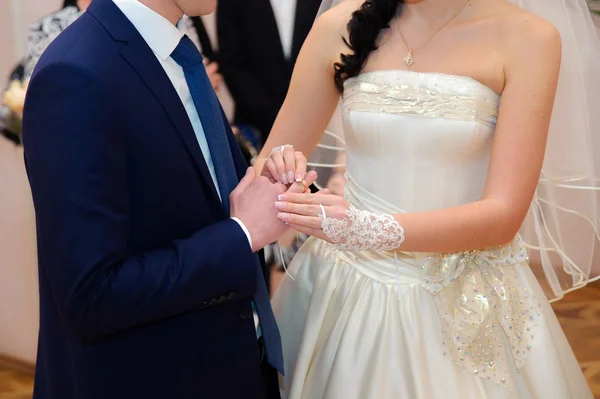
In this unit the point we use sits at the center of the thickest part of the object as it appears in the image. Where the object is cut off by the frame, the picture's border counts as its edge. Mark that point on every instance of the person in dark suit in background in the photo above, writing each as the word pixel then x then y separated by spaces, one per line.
pixel 202 39
pixel 259 42
pixel 196 30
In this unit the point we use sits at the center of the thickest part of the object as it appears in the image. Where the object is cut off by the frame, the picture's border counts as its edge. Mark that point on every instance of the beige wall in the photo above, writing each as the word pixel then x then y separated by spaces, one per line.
pixel 15 18
pixel 6 39
pixel 18 262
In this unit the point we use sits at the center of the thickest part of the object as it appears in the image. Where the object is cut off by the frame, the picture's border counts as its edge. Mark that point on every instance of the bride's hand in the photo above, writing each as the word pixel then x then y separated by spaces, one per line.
pixel 305 212
pixel 285 165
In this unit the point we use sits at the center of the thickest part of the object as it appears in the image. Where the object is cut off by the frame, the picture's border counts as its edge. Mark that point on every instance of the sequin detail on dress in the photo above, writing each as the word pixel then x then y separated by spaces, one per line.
pixel 488 319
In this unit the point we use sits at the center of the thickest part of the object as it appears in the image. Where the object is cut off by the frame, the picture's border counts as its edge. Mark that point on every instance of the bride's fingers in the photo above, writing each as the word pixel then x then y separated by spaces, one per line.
pixel 307 230
pixel 310 199
pixel 313 222
pixel 299 209
pixel 277 158
pixel 270 165
pixel 289 157
pixel 300 166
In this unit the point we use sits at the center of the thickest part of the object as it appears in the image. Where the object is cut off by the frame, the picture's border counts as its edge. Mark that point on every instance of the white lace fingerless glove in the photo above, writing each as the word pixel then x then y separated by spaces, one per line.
pixel 363 231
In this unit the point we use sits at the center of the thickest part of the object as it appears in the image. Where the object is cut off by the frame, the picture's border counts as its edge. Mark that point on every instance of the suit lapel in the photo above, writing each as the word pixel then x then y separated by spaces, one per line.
pixel 143 60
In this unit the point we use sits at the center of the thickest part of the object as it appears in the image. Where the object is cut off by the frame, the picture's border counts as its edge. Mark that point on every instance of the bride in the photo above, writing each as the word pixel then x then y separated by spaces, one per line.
pixel 416 283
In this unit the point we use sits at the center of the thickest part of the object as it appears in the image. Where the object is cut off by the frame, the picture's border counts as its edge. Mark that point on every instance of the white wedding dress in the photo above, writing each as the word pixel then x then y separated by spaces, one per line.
pixel 369 325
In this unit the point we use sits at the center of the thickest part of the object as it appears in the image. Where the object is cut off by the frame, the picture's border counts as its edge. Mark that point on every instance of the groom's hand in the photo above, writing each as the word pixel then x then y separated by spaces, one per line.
pixel 304 185
pixel 253 202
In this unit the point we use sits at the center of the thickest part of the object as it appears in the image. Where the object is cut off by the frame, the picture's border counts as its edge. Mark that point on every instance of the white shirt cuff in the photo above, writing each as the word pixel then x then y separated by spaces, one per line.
pixel 245 230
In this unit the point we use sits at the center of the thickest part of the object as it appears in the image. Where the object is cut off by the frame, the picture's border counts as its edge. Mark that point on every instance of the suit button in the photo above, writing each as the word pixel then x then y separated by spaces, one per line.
pixel 212 302
pixel 222 299
pixel 230 296
pixel 246 313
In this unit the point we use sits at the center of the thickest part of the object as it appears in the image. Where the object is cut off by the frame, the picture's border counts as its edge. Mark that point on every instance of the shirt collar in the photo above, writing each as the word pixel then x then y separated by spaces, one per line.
pixel 160 34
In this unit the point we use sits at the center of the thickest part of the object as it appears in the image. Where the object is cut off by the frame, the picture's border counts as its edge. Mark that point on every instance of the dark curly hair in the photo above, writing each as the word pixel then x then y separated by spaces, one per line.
pixel 363 30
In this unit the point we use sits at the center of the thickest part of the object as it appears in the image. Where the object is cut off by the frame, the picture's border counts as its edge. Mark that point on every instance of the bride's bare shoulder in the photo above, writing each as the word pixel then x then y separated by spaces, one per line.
pixel 521 28
pixel 333 23
pixel 326 38
pixel 525 40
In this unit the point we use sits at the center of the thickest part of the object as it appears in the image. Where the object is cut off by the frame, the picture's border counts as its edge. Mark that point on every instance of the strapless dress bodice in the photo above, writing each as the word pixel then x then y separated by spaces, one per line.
pixel 417 141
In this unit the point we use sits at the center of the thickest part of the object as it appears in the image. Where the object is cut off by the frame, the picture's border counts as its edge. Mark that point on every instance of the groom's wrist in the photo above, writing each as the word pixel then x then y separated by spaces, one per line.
pixel 245 229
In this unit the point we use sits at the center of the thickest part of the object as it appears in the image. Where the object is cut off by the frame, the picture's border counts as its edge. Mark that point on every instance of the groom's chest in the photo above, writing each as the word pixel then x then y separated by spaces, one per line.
pixel 164 177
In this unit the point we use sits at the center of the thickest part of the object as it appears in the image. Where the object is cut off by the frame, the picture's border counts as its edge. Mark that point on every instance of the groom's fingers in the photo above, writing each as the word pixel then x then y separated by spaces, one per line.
pixel 311 177
pixel 300 187
pixel 297 187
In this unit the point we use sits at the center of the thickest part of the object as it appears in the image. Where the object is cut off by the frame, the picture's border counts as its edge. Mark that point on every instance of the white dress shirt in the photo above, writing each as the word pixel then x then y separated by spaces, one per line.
pixel 285 15
pixel 163 37
pixel 190 29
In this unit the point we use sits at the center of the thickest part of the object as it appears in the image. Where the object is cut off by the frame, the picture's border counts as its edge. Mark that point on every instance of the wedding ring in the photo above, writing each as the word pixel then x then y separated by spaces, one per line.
pixel 323 214
pixel 304 184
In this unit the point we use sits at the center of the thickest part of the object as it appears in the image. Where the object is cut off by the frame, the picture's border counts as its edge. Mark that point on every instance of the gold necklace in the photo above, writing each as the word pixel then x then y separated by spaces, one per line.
pixel 409 59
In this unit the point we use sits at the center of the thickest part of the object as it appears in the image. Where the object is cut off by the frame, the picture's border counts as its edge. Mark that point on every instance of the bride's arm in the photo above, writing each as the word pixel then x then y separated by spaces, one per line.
pixel 312 95
pixel 531 73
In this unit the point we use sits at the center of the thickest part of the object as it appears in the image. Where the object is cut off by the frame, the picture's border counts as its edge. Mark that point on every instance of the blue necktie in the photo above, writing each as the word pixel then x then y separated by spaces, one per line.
pixel 209 110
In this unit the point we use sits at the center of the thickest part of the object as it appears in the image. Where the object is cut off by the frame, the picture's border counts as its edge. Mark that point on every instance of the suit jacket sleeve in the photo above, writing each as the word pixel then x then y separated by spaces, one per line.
pixel 75 149
pixel 244 86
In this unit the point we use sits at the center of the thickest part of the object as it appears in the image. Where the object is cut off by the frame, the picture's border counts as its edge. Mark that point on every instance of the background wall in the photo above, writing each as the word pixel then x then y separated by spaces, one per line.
pixel 15 18
pixel 6 42
pixel 18 261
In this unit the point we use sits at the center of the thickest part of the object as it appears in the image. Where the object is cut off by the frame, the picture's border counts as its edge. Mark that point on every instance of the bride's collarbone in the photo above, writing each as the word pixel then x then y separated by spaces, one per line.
pixel 470 47
pixel 482 66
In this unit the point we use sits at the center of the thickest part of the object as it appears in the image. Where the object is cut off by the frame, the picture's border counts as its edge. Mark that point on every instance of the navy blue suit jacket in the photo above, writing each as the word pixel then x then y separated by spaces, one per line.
pixel 145 283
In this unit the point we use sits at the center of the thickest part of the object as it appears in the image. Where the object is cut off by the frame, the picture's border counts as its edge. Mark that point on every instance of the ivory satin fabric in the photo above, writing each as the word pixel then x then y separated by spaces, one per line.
pixel 364 325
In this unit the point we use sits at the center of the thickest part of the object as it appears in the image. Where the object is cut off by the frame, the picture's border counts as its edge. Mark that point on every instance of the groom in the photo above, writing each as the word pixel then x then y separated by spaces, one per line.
pixel 148 267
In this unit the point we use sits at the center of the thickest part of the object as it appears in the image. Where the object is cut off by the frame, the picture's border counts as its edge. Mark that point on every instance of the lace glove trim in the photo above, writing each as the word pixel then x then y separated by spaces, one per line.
pixel 363 231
